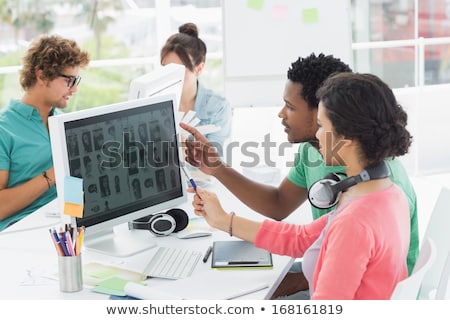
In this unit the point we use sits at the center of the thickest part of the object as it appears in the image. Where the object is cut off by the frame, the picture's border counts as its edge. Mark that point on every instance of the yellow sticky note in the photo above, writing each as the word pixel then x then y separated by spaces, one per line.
pixel 255 4
pixel 74 210
pixel 310 15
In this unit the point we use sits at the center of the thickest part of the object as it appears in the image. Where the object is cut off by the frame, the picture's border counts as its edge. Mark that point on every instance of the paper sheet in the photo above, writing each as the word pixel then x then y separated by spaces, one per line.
pixel 190 119
pixel 211 285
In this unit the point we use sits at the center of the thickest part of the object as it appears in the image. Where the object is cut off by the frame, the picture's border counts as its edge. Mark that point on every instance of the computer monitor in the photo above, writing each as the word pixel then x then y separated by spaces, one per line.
pixel 163 80
pixel 128 157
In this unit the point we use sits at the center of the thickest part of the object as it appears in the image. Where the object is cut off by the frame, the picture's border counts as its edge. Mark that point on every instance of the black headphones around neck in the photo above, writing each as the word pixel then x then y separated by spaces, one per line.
pixel 162 224
pixel 325 193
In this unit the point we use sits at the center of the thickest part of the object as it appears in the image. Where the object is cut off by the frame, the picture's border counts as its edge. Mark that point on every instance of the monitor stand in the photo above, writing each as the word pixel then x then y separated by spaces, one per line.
pixel 121 244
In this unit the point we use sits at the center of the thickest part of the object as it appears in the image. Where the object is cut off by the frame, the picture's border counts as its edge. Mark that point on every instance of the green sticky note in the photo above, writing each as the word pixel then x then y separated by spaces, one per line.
pixel 113 286
pixel 113 283
pixel 310 15
pixel 108 291
pixel 255 4
pixel 103 273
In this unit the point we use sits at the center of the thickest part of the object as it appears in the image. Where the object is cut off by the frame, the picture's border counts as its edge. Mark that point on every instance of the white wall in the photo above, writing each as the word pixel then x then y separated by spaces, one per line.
pixel 429 122
pixel 250 127
pixel 429 114
pixel 262 39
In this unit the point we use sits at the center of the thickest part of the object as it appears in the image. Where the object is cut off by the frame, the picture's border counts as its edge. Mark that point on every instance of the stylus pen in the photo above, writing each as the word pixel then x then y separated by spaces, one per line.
pixel 207 254
pixel 193 184
pixel 242 262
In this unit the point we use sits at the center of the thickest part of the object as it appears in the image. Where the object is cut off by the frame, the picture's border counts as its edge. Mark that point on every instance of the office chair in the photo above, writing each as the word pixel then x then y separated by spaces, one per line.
pixel 443 289
pixel 437 230
pixel 408 289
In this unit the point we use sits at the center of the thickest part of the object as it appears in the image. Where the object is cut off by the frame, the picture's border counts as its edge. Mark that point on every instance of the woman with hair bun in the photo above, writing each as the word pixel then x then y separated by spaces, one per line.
pixel 186 48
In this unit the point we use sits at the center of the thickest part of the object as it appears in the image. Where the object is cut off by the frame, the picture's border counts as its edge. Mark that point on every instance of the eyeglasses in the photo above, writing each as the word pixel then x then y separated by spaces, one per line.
pixel 71 80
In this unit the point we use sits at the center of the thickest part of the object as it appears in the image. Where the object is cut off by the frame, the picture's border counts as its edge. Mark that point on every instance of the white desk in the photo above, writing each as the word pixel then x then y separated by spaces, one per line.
pixel 28 256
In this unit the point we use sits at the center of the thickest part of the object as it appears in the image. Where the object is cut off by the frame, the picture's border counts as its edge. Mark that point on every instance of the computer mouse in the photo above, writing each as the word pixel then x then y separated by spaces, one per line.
pixel 188 234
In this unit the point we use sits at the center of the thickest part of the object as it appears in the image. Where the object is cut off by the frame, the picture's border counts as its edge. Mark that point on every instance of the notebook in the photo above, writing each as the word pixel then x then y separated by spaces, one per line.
pixel 239 254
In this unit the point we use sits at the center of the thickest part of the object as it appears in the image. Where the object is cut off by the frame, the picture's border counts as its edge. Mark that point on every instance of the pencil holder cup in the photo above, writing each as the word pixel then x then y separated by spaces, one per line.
pixel 70 273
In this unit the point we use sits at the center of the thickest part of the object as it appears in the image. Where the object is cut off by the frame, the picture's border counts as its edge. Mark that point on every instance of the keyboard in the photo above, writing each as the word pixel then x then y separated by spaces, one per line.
pixel 172 263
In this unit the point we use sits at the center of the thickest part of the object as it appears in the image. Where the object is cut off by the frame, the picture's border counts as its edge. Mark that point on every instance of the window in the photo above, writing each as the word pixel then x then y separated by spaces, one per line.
pixel 124 38
pixel 389 44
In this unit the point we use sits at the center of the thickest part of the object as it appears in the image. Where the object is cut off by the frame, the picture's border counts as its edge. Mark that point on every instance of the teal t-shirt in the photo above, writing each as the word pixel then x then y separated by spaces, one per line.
pixel 309 167
pixel 25 152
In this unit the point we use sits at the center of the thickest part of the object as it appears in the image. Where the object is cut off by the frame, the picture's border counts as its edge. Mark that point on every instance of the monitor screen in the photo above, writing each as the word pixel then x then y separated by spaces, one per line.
pixel 128 157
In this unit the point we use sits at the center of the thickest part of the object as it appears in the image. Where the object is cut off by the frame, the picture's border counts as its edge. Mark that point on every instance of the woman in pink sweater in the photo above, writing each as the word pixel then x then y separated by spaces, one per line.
pixel 357 251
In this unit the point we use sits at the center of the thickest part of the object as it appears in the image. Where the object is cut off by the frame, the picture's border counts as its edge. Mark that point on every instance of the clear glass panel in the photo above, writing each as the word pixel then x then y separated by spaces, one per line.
pixel 196 3
pixel 110 30
pixel 124 29
pixel 376 20
pixel 434 18
pixel 393 65
pixel 9 88
pixel 106 85
pixel 207 15
pixel 437 64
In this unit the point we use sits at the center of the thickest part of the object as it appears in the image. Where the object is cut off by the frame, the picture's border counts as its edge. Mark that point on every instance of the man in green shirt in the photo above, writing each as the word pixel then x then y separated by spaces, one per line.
pixel 299 117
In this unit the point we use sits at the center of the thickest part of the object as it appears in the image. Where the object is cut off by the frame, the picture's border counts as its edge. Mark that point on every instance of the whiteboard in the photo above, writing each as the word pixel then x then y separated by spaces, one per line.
pixel 263 37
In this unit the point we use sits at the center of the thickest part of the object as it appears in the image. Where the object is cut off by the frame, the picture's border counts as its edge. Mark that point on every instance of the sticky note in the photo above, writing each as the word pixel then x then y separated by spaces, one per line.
pixel 73 190
pixel 109 291
pixel 94 273
pixel 103 273
pixel 73 210
pixel 310 15
pixel 73 196
pixel 112 286
pixel 255 4
pixel 280 11
pixel 114 283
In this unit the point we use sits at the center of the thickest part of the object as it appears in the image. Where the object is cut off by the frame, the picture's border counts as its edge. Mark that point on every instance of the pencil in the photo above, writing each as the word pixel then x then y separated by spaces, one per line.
pixel 80 240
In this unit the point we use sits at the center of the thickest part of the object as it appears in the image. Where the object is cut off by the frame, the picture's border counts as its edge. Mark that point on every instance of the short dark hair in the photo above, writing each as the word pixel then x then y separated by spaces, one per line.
pixel 311 72
pixel 364 108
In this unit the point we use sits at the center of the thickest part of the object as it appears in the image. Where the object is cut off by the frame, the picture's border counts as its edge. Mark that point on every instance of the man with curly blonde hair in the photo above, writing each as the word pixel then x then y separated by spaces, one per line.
pixel 49 76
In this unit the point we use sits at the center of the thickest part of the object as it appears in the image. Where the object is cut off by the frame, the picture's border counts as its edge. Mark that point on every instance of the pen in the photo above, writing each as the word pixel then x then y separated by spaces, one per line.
pixel 193 184
pixel 74 238
pixel 242 262
pixel 56 242
pixel 64 242
pixel 207 254
pixel 69 243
